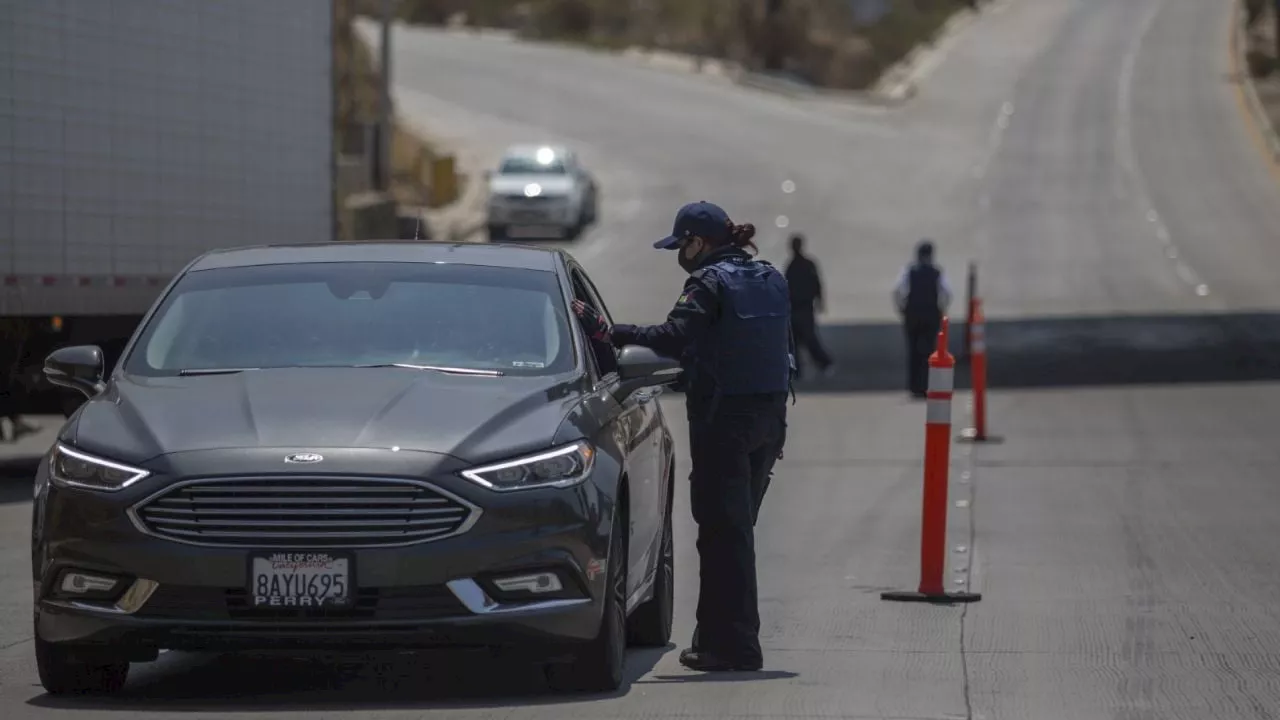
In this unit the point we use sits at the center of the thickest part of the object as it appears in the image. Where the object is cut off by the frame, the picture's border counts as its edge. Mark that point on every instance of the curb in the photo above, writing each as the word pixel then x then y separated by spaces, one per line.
pixel 1251 100
pixel 734 73
pixel 901 81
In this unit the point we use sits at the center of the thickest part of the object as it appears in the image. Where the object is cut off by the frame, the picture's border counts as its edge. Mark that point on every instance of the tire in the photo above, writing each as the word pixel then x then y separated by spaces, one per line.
pixel 599 666
pixel 497 233
pixel 62 674
pixel 650 624
pixel 579 226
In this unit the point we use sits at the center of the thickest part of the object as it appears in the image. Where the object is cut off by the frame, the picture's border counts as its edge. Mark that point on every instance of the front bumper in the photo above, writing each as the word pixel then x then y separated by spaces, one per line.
pixel 561 214
pixel 431 594
pixel 534 626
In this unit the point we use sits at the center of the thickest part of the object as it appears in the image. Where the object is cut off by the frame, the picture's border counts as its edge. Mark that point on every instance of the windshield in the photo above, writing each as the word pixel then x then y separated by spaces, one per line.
pixel 531 166
pixel 346 314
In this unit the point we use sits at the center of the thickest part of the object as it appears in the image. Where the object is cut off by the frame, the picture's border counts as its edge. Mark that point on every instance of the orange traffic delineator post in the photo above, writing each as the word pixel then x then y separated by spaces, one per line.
pixel 937 462
pixel 978 371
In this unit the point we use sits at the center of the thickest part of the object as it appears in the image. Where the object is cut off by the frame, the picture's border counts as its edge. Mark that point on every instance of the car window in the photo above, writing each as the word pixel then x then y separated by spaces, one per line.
pixel 344 314
pixel 596 300
pixel 531 166
pixel 606 356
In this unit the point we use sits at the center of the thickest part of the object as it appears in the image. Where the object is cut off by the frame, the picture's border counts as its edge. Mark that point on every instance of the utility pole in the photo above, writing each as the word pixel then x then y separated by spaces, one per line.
pixel 382 148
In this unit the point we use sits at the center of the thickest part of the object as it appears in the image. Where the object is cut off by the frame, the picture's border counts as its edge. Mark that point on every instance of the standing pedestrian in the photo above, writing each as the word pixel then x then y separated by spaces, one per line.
pixel 730 328
pixel 806 302
pixel 12 353
pixel 922 296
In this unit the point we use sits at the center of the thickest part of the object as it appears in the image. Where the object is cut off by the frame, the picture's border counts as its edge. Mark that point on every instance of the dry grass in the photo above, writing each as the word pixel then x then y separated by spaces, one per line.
pixel 1260 53
pixel 815 40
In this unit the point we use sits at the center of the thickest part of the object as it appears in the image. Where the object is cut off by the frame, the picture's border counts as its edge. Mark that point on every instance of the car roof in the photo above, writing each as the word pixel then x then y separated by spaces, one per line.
pixel 485 254
pixel 529 150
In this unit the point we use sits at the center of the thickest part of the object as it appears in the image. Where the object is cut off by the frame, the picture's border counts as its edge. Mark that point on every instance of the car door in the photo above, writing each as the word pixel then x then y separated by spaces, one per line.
pixel 642 420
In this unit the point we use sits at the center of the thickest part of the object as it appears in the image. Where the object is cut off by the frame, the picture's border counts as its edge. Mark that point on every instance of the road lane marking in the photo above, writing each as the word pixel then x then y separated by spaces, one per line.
pixel 994 139
pixel 1128 156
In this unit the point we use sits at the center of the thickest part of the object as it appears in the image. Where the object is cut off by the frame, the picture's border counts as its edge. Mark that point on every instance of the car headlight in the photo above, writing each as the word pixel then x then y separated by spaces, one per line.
pixel 72 468
pixel 562 467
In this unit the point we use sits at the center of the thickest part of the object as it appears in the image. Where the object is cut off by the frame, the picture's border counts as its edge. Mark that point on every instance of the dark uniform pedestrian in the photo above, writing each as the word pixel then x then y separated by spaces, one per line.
pixel 12 356
pixel 730 328
pixel 806 302
pixel 922 296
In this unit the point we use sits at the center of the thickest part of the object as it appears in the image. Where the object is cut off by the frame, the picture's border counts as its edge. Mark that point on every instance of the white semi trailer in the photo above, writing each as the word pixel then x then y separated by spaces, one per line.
pixel 136 135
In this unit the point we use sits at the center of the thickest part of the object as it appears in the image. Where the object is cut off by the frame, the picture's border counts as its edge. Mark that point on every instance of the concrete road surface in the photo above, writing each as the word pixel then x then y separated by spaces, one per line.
pixel 1091 157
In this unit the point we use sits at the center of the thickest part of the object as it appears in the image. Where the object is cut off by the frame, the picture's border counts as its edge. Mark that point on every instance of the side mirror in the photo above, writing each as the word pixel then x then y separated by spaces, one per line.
pixel 79 367
pixel 640 367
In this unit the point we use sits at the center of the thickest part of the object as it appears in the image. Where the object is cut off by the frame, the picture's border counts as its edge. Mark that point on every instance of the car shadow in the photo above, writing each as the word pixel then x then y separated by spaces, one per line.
pixel 1061 352
pixel 720 677
pixel 190 682
pixel 16 478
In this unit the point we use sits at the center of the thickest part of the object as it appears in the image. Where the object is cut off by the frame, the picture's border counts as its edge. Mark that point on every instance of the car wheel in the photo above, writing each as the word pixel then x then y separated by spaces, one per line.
pixel 650 624
pixel 579 226
pixel 496 233
pixel 61 673
pixel 599 666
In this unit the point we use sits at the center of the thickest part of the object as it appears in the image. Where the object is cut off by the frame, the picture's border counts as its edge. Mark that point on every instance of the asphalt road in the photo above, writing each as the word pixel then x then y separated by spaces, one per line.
pixel 1092 159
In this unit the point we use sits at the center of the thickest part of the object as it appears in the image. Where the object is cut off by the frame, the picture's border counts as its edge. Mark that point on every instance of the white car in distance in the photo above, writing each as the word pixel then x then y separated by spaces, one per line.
pixel 540 191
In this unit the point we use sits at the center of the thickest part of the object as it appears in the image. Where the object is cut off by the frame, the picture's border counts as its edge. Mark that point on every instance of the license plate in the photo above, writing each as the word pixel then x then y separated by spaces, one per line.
pixel 528 215
pixel 535 231
pixel 300 579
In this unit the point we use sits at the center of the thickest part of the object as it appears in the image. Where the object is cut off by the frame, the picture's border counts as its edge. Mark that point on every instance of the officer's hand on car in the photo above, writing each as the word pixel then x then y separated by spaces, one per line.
pixel 593 323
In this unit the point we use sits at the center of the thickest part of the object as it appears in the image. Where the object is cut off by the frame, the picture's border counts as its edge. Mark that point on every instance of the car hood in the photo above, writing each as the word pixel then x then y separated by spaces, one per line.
pixel 515 184
pixel 472 418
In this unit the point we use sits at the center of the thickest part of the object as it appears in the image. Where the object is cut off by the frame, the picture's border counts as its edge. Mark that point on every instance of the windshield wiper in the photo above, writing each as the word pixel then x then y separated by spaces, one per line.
pixel 213 371
pixel 437 368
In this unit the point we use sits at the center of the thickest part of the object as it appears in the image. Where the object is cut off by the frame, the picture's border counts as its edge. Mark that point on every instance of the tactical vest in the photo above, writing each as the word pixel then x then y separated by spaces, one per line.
pixel 922 294
pixel 747 350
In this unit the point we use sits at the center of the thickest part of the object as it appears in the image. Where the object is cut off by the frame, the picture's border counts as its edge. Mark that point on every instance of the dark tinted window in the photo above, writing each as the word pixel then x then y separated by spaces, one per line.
pixel 531 166
pixel 342 314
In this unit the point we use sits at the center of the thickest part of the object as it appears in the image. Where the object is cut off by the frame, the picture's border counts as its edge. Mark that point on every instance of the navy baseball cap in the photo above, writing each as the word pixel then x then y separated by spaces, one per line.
pixel 701 218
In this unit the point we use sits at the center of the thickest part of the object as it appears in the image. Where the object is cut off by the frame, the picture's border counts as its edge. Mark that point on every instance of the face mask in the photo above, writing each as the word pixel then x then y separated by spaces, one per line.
pixel 688 258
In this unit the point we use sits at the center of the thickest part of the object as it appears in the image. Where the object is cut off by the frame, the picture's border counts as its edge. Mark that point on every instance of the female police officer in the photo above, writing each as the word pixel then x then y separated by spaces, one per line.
pixel 731 330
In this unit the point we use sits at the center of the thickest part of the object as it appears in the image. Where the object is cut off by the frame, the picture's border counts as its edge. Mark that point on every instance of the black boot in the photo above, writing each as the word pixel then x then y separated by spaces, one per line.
pixel 703 661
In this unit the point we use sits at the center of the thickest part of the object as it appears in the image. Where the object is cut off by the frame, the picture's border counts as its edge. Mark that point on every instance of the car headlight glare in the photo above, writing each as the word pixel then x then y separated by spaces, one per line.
pixel 72 468
pixel 562 467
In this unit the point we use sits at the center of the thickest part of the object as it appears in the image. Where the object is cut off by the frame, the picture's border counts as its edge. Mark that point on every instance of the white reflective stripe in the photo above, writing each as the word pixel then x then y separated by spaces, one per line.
pixel 979 332
pixel 979 346
pixel 938 412
pixel 942 379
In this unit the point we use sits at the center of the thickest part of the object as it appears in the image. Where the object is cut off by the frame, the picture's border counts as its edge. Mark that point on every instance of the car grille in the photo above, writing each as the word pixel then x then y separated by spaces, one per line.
pixel 304 512
pixel 182 602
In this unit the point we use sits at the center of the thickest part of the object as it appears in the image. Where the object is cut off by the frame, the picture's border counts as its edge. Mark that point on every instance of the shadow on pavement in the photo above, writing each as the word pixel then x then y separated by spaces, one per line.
pixel 262 683
pixel 16 477
pixel 1070 352
pixel 720 677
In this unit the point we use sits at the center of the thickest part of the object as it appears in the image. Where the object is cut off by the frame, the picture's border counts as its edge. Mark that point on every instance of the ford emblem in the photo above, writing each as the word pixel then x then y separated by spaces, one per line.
pixel 303 458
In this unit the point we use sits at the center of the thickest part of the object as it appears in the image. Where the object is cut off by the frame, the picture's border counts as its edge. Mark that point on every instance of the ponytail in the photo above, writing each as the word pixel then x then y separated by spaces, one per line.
pixel 740 237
